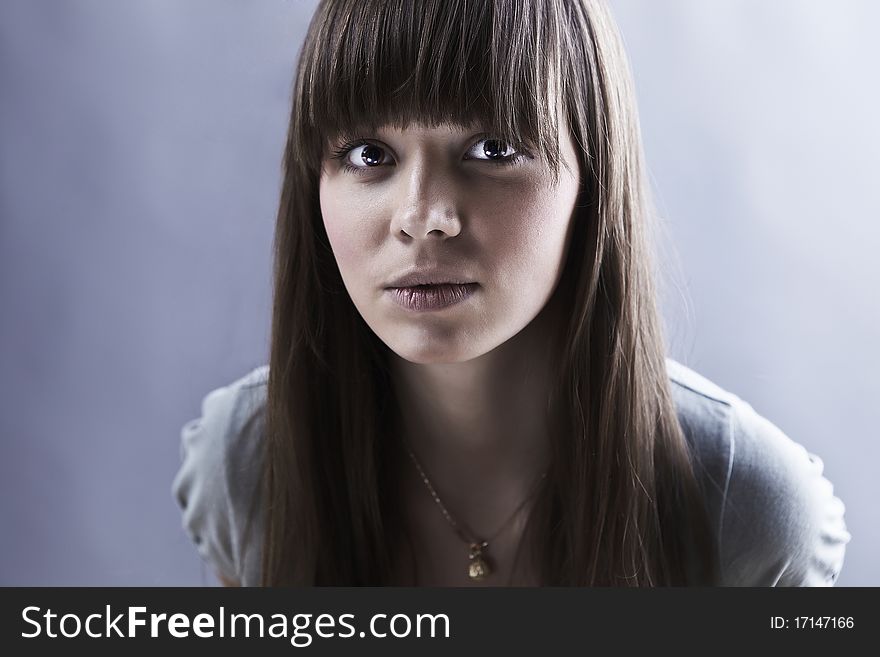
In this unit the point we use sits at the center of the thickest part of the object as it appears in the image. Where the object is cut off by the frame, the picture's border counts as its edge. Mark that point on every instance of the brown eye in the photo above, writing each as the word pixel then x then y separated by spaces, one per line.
pixel 494 149
pixel 360 156
pixel 371 155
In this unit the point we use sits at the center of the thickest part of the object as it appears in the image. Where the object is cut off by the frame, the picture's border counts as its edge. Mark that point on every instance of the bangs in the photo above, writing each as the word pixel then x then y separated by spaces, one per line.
pixel 373 63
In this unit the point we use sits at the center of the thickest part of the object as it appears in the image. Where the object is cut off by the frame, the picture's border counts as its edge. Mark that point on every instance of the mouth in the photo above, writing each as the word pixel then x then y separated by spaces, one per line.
pixel 432 296
pixel 418 279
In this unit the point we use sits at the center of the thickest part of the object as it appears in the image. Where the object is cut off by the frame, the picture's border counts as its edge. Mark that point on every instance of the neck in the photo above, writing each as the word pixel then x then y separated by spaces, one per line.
pixel 479 428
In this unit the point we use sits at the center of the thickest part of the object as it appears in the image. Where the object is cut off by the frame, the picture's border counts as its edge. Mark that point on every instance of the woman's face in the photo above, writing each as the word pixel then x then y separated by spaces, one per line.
pixel 445 201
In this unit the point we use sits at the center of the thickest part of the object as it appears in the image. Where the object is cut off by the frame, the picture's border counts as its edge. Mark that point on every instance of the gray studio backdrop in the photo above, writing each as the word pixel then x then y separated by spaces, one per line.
pixel 140 145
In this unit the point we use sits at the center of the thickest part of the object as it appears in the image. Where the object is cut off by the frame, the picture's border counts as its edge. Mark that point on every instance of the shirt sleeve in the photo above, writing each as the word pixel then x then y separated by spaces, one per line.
pixel 782 524
pixel 201 486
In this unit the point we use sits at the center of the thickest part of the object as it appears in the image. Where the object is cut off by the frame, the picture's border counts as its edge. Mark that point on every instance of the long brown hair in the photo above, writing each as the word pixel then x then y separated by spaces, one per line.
pixel 621 505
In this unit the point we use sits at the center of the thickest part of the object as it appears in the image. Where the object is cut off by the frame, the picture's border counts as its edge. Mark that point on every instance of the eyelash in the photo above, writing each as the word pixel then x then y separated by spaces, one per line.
pixel 342 152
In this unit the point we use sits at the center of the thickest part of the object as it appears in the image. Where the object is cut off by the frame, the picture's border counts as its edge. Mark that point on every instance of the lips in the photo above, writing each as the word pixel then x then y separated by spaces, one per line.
pixel 431 297
pixel 429 277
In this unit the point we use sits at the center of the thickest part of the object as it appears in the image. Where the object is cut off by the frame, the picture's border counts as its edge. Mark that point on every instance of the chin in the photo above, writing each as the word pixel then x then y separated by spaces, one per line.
pixel 424 358
pixel 426 349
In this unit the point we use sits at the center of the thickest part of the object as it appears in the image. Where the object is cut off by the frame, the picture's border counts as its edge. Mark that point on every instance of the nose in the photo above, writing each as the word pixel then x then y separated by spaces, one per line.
pixel 427 208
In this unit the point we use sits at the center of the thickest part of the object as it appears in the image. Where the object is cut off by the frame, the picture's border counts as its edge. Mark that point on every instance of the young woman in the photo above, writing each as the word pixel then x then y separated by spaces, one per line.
pixel 467 382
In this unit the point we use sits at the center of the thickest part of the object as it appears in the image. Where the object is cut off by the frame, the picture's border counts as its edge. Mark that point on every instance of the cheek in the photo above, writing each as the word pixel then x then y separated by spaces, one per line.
pixel 346 226
pixel 529 233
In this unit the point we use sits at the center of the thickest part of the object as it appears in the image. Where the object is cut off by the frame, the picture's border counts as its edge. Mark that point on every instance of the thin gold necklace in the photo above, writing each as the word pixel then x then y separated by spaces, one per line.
pixel 479 564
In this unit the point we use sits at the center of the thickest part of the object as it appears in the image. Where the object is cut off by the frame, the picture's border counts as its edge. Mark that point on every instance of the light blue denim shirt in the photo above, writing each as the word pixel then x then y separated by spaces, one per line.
pixel 776 518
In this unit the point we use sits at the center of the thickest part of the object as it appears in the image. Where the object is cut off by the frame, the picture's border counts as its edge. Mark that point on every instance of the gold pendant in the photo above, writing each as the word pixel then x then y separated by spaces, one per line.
pixel 479 565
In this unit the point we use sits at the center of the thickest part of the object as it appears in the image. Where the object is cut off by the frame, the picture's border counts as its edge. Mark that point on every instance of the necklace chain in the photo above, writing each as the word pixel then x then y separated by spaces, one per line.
pixel 475 542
